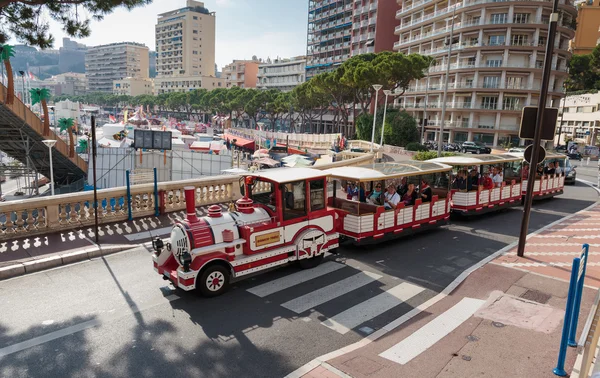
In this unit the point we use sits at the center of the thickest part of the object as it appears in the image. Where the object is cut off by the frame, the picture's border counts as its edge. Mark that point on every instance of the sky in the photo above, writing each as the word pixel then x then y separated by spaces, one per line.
pixel 265 28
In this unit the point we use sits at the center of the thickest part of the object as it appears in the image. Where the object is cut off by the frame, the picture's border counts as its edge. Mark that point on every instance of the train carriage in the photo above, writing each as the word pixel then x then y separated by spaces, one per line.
pixel 546 185
pixel 364 222
pixel 468 199
pixel 282 217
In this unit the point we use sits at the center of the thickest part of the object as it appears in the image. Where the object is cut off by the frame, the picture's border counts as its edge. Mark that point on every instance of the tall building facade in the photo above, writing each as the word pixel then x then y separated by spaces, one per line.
pixel 185 47
pixel 241 73
pixel 495 68
pixel 282 74
pixel 107 63
pixel 338 29
pixel 587 35
pixel 580 119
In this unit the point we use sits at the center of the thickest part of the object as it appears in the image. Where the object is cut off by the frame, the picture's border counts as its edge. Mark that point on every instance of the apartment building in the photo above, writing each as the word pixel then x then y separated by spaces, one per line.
pixel 282 74
pixel 72 83
pixel 338 29
pixel 241 73
pixel 133 86
pixel 107 63
pixel 580 119
pixel 185 48
pixel 587 35
pixel 495 68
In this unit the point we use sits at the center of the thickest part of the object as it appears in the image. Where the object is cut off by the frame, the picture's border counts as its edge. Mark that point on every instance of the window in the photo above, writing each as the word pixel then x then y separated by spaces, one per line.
pixel 471 61
pixel 542 41
pixel 294 200
pixel 195 31
pixel 262 192
pixel 513 82
pixel 195 17
pixel 494 63
pixel 317 194
pixel 499 18
pixel 491 81
pixel 521 18
pixel 496 40
pixel 511 103
pixel 580 109
pixel 519 40
pixel 489 102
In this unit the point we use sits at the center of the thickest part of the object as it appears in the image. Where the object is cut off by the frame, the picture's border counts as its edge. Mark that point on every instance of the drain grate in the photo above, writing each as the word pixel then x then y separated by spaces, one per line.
pixel 536 296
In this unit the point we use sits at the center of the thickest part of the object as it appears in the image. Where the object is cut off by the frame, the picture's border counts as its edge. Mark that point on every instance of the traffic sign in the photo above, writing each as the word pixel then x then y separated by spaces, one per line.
pixel 528 120
pixel 529 151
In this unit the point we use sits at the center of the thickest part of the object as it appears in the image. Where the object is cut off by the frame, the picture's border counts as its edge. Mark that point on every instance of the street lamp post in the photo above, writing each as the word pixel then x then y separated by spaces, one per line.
pixel 377 87
pixel 441 138
pixel 424 122
pixel 387 93
pixel 24 96
pixel 561 120
pixel 50 143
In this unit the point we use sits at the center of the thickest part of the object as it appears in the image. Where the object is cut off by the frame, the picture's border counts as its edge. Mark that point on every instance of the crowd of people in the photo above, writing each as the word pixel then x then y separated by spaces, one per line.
pixel 407 193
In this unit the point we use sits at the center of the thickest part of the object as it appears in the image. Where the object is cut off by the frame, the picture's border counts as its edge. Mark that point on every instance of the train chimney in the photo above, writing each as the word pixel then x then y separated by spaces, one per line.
pixel 190 203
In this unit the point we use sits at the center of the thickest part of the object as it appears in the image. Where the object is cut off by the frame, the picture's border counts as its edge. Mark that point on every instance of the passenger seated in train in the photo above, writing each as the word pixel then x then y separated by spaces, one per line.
pixel 362 197
pixel 351 191
pixel 539 171
pixel 524 171
pixel 549 169
pixel 487 181
pixel 391 198
pixel 557 169
pixel 426 192
pixel 497 176
pixel 376 195
pixel 460 181
pixel 473 180
pixel 410 196
pixel 403 187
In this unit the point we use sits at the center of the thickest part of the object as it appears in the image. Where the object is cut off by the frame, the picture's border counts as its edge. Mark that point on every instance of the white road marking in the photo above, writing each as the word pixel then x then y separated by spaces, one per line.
pixel 149 234
pixel 432 332
pixel 546 264
pixel 76 328
pixel 294 279
pixel 367 310
pixel 327 293
pixel 554 253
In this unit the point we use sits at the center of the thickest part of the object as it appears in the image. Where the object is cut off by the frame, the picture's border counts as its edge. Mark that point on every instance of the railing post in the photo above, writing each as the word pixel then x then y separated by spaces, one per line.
pixel 156 209
pixel 580 278
pixel 129 214
pixel 562 352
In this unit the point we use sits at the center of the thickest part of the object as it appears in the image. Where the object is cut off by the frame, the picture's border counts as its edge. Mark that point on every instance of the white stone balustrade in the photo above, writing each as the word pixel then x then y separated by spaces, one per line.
pixel 36 216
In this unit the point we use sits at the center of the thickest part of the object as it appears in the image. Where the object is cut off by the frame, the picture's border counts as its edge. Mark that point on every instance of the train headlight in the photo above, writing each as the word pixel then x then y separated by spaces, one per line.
pixel 158 245
pixel 186 259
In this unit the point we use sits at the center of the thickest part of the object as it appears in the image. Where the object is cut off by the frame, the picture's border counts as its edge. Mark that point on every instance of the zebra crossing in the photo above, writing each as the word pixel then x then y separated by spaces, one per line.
pixel 320 293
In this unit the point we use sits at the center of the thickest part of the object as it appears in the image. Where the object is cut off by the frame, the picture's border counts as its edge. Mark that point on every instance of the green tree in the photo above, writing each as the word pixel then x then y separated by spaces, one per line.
pixel 28 20
pixel 582 76
pixel 400 129
pixel 66 124
pixel 255 107
pixel 5 55
pixel 42 95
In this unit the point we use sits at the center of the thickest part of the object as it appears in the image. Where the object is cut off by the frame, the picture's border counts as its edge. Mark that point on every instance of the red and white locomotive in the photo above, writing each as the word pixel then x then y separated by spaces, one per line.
pixel 282 217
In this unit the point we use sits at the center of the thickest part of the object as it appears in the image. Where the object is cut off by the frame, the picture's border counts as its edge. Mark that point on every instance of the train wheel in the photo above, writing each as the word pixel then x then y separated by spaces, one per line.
pixel 213 281
pixel 312 262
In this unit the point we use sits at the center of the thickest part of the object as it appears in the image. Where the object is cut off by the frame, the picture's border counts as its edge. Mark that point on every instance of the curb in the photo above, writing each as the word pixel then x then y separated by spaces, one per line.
pixel 67 258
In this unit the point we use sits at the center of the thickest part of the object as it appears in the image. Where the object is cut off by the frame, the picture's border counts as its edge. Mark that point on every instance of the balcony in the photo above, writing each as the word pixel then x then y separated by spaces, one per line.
pixel 373 6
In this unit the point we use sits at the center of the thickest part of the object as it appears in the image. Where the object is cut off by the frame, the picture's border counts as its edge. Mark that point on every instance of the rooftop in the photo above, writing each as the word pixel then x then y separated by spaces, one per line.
pixel 381 171
pixel 283 175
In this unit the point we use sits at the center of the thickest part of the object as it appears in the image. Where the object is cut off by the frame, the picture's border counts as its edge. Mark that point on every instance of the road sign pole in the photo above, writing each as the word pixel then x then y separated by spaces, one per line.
pixel 537 139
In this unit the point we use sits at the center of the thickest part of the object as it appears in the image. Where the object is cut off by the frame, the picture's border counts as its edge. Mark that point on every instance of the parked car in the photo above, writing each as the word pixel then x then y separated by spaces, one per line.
pixel 475 148
pixel 574 156
pixel 516 149
pixel 570 172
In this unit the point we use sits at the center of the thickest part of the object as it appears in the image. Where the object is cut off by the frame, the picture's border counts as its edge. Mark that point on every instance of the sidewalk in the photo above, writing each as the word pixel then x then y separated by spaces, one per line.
pixel 30 254
pixel 504 320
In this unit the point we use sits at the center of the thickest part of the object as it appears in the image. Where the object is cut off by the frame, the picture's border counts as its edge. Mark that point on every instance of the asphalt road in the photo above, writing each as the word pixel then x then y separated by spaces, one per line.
pixel 587 172
pixel 116 317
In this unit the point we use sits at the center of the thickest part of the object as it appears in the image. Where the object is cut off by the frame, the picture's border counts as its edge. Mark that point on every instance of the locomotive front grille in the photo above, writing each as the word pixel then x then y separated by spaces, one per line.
pixel 179 241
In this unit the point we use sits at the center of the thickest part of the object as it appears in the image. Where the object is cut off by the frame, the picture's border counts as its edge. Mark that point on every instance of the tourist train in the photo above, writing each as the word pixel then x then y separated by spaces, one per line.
pixel 298 214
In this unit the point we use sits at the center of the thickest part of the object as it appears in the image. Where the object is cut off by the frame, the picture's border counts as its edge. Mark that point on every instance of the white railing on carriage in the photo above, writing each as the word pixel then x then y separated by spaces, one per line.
pixel 546 184
pixel 403 216
pixel 485 197
pixel 37 216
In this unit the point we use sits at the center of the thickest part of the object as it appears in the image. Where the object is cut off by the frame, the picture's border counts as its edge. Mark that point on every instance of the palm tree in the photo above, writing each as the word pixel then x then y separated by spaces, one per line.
pixel 67 124
pixel 41 95
pixel 6 52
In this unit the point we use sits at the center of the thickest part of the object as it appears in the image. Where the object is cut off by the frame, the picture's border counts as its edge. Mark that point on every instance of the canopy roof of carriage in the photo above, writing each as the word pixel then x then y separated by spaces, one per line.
pixel 384 171
pixel 462 160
